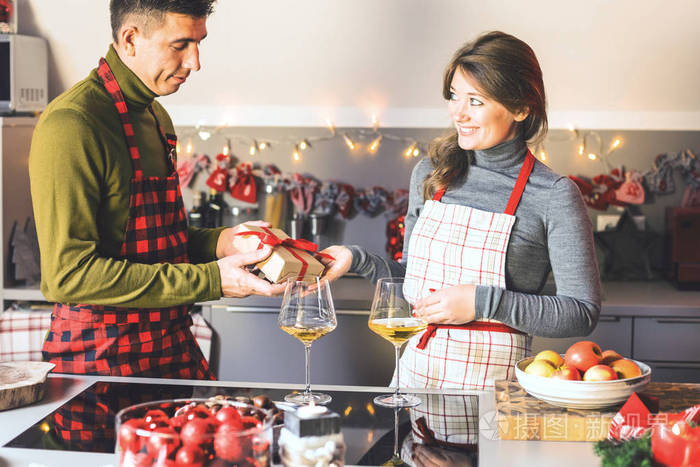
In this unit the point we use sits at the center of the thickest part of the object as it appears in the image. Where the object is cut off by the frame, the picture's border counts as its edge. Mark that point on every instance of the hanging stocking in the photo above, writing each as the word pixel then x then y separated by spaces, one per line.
pixel 344 200
pixel 324 204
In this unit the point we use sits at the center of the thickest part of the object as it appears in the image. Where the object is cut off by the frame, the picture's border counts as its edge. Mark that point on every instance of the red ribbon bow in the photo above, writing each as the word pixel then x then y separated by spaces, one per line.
pixel 267 237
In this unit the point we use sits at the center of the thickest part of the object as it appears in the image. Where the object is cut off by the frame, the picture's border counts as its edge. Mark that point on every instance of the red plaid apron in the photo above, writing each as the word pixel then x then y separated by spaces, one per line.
pixel 153 342
pixel 452 245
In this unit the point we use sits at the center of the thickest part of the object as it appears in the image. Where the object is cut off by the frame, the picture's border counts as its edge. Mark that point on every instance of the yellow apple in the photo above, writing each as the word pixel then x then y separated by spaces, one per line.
pixel 540 368
pixel 551 356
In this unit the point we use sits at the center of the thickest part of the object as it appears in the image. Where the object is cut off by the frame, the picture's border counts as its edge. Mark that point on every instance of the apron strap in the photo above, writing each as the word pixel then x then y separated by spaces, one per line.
pixel 115 92
pixel 517 192
pixel 485 326
pixel 520 183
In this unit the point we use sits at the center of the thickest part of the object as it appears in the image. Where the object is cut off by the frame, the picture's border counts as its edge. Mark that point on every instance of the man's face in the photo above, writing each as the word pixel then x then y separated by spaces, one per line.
pixel 164 58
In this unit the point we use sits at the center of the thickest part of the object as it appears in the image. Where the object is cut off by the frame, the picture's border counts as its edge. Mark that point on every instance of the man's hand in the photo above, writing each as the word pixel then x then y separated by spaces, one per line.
pixel 335 268
pixel 237 282
pixel 224 245
pixel 451 305
pixel 429 456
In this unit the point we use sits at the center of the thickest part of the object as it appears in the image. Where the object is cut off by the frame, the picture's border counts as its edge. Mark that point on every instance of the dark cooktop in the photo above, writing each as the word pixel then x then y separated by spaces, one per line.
pixel 368 430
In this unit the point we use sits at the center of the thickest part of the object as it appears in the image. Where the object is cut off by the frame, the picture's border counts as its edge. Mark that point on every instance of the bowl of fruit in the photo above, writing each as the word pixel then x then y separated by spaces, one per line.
pixel 194 432
pixel 583 378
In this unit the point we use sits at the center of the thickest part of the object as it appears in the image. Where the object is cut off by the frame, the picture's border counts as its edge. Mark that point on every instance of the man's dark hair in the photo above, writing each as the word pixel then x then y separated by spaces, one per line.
pixel 154 10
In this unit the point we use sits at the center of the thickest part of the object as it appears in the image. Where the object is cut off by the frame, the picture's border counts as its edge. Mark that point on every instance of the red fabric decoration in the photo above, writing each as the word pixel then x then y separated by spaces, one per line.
pixel 395 230
pixel 218 180
pixel 344 201
pixel 243 186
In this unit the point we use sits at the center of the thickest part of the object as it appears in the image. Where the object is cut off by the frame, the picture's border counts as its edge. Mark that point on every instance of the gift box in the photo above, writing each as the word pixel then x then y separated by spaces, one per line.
pixel 290 258
pixel 634 418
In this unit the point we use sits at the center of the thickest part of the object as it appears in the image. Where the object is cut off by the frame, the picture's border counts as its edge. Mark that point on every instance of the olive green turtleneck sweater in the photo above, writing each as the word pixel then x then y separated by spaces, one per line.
pixel 80 172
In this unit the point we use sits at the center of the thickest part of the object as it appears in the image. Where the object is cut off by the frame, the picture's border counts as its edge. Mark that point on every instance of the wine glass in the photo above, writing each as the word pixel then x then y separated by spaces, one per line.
pixel 391 317
pixel 307 313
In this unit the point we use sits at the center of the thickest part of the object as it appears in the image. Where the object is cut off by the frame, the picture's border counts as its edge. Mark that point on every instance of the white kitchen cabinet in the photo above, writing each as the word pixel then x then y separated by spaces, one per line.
pixel 15 142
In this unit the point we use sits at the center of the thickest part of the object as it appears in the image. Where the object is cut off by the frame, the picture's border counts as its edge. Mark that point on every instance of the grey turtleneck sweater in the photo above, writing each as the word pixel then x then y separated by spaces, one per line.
pixel 552 232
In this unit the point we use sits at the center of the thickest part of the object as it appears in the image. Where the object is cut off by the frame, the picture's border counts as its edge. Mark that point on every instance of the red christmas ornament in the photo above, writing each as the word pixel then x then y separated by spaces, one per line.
pixel 243 185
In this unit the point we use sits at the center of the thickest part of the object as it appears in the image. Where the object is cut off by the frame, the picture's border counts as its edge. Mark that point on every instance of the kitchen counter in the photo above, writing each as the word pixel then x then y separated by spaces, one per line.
pixel 354 294
pixel 61 388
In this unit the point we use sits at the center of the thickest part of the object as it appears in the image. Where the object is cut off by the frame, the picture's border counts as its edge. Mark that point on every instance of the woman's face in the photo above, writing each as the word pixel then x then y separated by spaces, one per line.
pixel 481 122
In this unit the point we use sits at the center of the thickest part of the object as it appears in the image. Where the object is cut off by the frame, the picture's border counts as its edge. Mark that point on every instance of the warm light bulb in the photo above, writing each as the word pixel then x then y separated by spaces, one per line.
pixel 409 150
pixel 295 155
pixel 375 122
pixel 304 145
pixel 616 144
pixel 330 125
pixel 374 145
pixel 580 150
pixel 177 147
pixel 347 410
pixel 571 128
pixel 416 152
pixel 225 150
pixel 252 149
pixel 189 147
pixel 370 408
pixel 263 145
pixel 543 155
pixel 592 156
pixel 350 143
pixel 204 135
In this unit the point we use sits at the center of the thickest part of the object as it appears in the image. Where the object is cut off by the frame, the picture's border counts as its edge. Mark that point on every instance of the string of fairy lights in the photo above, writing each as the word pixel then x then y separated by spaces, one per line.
pixel 355 139
pixel 590 143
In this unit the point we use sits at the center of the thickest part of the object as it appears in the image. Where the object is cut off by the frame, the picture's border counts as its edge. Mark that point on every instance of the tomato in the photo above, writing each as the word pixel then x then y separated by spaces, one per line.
pixel 676 444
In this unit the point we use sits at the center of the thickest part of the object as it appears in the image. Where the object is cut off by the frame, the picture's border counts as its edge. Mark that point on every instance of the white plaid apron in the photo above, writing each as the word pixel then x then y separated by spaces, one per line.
pixel 455 245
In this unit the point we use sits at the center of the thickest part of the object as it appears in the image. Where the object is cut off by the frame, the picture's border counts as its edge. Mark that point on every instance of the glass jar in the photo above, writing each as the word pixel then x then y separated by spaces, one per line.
pixel 193 432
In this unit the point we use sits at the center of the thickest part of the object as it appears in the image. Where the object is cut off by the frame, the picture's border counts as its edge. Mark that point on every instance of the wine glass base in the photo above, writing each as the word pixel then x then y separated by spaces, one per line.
pixel 394 400
pixel 303 398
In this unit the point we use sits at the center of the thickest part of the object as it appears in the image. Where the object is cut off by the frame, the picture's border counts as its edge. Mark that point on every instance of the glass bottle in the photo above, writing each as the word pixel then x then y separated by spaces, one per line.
pixel 196 216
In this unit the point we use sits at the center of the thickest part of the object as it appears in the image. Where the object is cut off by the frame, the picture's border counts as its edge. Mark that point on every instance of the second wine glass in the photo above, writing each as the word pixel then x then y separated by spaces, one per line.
pixel 307 313
pixel 392 318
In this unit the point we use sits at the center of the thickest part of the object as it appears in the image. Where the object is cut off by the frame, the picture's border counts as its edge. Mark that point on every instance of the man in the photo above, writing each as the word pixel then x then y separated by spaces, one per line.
pixel 116 252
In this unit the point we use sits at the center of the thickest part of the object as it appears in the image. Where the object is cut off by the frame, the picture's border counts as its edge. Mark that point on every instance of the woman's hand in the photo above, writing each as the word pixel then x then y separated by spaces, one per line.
pixel 451 305
pixel 337 267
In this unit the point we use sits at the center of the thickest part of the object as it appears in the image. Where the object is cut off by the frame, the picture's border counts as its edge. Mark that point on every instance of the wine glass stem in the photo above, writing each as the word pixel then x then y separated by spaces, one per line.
pixel 396 432
pixel 398 369
pixel 307 354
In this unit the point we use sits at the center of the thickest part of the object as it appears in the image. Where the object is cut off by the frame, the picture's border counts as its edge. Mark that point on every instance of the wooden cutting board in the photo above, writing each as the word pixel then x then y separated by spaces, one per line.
pixel 523 417
pixel 22 383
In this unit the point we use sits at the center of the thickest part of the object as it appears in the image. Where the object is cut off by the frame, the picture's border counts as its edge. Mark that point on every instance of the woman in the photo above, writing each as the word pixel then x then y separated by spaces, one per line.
pixel 486 223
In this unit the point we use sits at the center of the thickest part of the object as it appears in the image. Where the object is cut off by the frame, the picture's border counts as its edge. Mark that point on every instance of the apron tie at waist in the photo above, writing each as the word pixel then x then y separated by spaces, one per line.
pixel 428 437
pixel 431 330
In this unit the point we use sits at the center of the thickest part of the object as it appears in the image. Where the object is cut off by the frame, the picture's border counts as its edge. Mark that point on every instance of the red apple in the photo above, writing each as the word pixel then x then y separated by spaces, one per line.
pixel 625 368
pixel 599 373
pixel 190 455
pixel 198 432
pixel 129 440
pixel 229 414
pixel 163 442
pixel 229 445
pixel 567 372
pixel 583 355
pixel 610 356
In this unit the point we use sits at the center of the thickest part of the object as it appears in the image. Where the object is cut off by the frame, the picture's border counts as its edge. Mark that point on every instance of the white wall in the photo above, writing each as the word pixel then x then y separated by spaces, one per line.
pixel 607 64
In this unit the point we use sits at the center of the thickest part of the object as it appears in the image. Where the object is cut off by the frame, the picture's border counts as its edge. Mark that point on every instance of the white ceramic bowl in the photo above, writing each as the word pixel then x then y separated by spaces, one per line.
pixel 581 394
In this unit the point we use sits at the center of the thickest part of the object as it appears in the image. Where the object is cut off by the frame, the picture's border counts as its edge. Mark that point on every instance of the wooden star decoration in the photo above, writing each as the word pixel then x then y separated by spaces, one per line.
pixel 627 250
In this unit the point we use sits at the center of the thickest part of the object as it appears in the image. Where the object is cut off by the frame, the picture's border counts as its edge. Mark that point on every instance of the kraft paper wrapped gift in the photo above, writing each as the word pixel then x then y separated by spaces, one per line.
pixel 286 260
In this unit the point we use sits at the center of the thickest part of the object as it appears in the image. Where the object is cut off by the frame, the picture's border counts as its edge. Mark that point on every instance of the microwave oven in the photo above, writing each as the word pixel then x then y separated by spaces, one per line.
pixel 23 74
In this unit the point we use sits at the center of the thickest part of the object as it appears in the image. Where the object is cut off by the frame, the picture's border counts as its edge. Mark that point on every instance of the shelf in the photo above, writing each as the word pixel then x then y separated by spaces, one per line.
pixel 30 295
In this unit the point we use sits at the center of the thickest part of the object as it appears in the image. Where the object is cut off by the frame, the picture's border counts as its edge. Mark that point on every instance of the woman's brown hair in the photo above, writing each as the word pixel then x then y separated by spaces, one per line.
pixel 508 72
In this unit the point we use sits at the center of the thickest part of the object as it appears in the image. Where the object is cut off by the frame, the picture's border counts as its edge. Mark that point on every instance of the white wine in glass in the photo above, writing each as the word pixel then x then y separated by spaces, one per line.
pixel 391 317
pixel 307 313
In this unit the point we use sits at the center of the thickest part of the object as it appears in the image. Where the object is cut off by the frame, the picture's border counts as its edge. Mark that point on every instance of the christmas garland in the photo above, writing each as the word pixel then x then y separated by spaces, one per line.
pixel 308 194
pixel 621 187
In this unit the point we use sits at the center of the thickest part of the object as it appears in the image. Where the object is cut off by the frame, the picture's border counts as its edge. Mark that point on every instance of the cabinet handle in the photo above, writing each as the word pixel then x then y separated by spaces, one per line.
pixel 609 319
pixel 679 320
